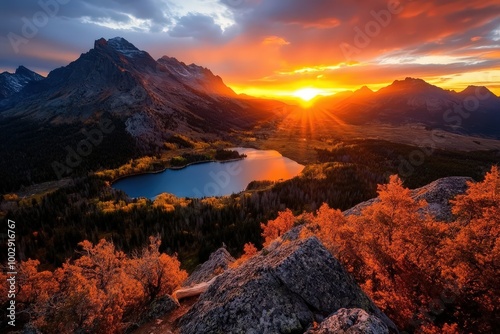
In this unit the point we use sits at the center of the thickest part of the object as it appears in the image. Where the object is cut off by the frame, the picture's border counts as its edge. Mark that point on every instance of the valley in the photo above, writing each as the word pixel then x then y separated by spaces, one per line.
pixel 116 116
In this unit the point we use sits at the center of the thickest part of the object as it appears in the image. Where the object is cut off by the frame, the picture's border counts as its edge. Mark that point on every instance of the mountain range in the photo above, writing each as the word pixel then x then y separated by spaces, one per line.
pixel 153 98
pixel 12 83
pixel 148 102
pixel 145 101
pixel 473 111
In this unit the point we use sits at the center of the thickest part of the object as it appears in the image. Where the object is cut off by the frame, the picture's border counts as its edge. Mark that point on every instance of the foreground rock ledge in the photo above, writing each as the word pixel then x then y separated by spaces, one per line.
pixel 283 289
pixel 351 321
pixel 217 263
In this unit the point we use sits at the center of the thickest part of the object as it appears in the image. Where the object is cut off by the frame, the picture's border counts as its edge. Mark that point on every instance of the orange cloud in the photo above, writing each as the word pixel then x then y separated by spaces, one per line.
pixel 274 40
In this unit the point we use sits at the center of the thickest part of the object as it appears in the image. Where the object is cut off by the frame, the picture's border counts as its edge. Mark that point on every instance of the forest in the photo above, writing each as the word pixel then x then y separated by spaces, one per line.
pixel 52 225
pixel 428 276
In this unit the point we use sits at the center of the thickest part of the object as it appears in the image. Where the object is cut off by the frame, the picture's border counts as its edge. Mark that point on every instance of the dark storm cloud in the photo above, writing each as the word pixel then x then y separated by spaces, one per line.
pixel 199 26
pixel 155 10
pixel 322 25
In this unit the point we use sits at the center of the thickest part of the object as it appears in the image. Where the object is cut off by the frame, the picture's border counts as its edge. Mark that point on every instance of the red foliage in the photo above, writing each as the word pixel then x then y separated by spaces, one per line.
pixel 99 291
pixel 276 228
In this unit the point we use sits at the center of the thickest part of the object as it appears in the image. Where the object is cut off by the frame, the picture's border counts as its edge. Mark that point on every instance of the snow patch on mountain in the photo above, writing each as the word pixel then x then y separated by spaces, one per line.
pixel 12 83
pixel 124 47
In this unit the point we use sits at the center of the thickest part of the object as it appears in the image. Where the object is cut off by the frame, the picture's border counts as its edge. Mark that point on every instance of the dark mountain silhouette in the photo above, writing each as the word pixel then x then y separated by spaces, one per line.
pixel 12 83
pixel 474 111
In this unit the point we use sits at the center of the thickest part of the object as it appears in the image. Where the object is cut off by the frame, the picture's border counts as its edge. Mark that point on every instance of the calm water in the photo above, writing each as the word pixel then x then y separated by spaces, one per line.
pixel 214 178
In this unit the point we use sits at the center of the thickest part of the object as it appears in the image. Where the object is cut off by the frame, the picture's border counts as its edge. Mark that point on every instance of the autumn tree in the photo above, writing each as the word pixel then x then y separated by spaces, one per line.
pixel 249 250
pixel 34 293
pixel 471 257
pixel 277 227
pixel 102 291
pixel 95 293
pixel 157 273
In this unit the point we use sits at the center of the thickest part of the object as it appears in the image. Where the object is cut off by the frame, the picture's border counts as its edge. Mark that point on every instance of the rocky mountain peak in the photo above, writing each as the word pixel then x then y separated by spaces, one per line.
pixel 120 45
pixel 412 84
pixel 198 77
pixel 363 92
pixel 100 43
pixel 12 83
pixel 477 90
pixel 21 70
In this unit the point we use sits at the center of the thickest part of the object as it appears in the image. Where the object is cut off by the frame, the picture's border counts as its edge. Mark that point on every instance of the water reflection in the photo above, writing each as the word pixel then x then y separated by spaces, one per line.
pixel 215 178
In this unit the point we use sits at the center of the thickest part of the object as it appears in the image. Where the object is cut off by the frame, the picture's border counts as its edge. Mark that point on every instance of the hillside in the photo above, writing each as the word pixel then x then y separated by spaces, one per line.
pixel 144 103
pixel 389 267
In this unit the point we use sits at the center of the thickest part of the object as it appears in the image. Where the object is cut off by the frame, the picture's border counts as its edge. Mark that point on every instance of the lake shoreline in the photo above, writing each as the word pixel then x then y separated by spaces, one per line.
pixel 211 177
pixel 174 168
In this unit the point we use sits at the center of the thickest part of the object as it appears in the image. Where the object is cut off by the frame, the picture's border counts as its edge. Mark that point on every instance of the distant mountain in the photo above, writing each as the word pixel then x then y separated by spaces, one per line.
pixel 147 101
pixel 12 83
pixel 197 77
pixel 475 110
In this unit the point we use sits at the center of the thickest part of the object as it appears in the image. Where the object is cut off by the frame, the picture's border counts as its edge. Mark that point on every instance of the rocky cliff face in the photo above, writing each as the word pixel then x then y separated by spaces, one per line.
pixel 283 289
pixel 437 194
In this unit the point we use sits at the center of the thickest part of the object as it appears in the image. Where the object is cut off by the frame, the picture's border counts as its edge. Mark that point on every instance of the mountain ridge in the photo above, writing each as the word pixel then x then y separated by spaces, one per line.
pixel 12 83
pixel 473 111
pixel 147 101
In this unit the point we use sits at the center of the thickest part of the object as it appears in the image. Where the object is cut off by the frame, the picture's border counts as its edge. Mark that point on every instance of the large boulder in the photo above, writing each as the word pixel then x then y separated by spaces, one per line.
pixel 161 307
pixel 217 263
pixel 437 194
pixel 351 321
pixel 283 289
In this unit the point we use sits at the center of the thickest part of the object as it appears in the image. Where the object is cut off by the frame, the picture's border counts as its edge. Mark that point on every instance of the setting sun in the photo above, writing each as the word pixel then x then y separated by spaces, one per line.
pixel 307 94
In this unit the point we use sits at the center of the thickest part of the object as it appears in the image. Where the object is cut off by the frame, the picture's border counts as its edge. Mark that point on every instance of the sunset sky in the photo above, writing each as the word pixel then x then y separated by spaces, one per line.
pixel 272 47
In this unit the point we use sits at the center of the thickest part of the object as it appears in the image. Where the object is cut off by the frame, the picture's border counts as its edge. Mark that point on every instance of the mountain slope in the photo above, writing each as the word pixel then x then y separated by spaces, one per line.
pixel 12 83
pixel 151 97
pixel 146 101
pixel 475 111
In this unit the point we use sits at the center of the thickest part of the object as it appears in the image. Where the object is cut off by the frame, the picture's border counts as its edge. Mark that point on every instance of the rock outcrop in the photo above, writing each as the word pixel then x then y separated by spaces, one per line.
pixel 437 194
pixel 351 321
pixel 217 263
pixel 161 307
pixel 283 289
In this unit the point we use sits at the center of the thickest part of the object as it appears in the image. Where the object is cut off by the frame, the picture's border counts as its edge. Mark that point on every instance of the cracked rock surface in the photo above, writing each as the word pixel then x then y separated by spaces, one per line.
pixel 217 263
pixel 283 289
pixel 351 321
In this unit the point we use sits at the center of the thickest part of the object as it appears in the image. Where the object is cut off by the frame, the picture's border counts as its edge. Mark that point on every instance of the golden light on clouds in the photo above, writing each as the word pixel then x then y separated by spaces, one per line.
pixel 275 40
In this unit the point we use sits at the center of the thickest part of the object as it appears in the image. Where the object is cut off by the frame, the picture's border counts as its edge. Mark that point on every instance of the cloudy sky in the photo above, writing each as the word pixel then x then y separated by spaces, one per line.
pixel 272 47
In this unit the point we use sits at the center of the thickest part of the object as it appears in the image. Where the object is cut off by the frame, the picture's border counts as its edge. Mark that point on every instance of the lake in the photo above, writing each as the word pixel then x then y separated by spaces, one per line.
pixel 213 178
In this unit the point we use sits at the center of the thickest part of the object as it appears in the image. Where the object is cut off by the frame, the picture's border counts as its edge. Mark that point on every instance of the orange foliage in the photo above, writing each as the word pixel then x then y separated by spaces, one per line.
pixel 99 292
pixel 249 250
pixel 405 260
pixel 276 228
pixel 471 256
pixel 158 274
